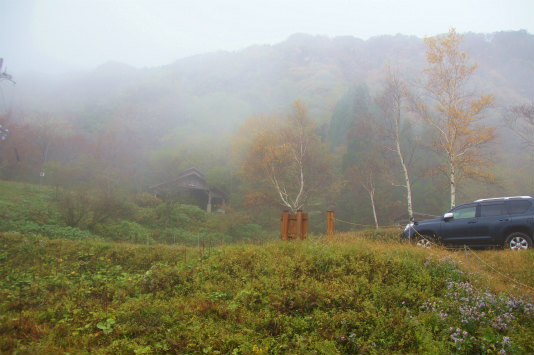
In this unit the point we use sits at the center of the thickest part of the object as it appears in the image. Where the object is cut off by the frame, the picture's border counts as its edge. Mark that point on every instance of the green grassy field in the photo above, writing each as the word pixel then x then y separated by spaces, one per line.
pixel 118 216
pixel 90 290
pixel 353 295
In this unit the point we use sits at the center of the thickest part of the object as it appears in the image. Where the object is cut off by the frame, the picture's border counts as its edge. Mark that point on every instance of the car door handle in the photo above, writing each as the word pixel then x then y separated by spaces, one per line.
pixel 472 222
pixel 504 220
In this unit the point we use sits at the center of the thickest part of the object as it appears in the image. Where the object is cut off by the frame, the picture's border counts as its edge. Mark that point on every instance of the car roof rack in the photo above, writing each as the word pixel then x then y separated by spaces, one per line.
pixel 502 198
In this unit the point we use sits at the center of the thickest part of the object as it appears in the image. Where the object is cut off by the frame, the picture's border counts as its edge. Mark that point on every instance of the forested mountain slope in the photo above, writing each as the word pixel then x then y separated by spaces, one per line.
pixel 218 90
pixel 118 126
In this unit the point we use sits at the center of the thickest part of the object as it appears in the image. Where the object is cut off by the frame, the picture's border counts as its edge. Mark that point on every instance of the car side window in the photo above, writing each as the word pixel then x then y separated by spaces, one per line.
pixel 465 212
pixel 518 207
pixel 492 210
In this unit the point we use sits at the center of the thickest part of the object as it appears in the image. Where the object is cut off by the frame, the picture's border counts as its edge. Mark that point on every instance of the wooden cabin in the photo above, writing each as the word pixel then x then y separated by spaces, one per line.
pixel 190 186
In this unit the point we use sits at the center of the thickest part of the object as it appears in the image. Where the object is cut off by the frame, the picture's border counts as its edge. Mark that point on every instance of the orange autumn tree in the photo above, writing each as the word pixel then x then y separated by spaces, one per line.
pixel 285 160
pixel 455 111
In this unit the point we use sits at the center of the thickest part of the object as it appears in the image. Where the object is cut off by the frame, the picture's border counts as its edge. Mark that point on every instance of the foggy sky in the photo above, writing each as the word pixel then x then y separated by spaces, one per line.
pixel 63 35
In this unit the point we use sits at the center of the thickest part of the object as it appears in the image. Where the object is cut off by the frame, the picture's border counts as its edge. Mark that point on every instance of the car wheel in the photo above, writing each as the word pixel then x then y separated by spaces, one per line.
pixel 518 241
pixel 424 241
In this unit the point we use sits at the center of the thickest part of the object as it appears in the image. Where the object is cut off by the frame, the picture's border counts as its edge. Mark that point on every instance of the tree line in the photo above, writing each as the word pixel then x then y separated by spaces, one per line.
pixel 381 138
pixel 381 155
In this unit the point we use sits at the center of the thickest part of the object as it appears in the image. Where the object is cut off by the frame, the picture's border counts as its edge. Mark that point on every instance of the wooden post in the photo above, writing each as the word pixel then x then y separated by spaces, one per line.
pixel 208 207
pixel 299 225
pixel 284 225
pixel 330 225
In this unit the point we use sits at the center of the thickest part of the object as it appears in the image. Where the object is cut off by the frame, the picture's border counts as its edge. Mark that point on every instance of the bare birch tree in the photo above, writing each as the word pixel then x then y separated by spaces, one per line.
pixel 364 161
pixel 520 119
pixel 366 176
pixel 287 155
pixel 393 102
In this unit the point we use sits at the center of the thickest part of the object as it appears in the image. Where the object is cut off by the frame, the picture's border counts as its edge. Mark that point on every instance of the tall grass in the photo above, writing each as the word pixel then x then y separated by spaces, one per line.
pixel 361 293
pixel 497 269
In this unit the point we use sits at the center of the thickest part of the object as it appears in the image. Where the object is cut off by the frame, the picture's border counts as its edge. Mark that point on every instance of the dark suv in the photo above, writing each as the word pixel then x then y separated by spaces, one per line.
pixel 505 221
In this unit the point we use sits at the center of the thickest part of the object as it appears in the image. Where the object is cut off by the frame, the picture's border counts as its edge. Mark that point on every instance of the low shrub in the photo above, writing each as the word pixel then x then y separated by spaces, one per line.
pixel 308 297
pixel 181 237
pixel 248 232
pixel 50 231
pixel 131 232
pixel 147 200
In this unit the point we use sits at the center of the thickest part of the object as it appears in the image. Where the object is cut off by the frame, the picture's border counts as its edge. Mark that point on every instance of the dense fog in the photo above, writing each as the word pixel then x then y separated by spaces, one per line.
pixel 100 116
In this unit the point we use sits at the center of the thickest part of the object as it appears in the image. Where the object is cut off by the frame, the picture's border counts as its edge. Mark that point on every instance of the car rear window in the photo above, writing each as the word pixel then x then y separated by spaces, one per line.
pixel 493 209
pixel 519 207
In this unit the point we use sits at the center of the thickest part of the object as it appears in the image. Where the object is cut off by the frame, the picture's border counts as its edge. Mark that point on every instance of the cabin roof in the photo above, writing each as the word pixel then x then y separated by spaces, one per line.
pixel 189 179
pixel 191 171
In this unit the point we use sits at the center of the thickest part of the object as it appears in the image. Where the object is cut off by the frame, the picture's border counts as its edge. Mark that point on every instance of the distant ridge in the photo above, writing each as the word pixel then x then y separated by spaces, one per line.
pixel 216 91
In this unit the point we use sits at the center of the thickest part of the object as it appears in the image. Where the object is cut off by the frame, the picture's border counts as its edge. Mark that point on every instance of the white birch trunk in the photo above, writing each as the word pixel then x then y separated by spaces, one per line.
pixel 372 195
pixel 406 180
pixel 453 184
pixel 370 188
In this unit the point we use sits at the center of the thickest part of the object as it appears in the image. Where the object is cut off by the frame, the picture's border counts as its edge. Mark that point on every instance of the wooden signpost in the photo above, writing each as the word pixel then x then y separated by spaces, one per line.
pixel 294 226
pixel 330 225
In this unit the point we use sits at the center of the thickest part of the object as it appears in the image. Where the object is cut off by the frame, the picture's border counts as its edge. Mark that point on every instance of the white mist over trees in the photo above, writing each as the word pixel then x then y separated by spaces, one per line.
pixel 123 129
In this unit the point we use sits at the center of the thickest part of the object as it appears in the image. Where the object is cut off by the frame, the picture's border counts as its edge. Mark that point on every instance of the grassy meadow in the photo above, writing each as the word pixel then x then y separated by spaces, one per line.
pixel 96 289
pixel 359 294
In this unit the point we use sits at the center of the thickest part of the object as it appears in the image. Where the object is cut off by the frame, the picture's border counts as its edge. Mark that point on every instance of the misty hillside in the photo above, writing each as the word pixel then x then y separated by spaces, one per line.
pixel 113 132
pixel 216 91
